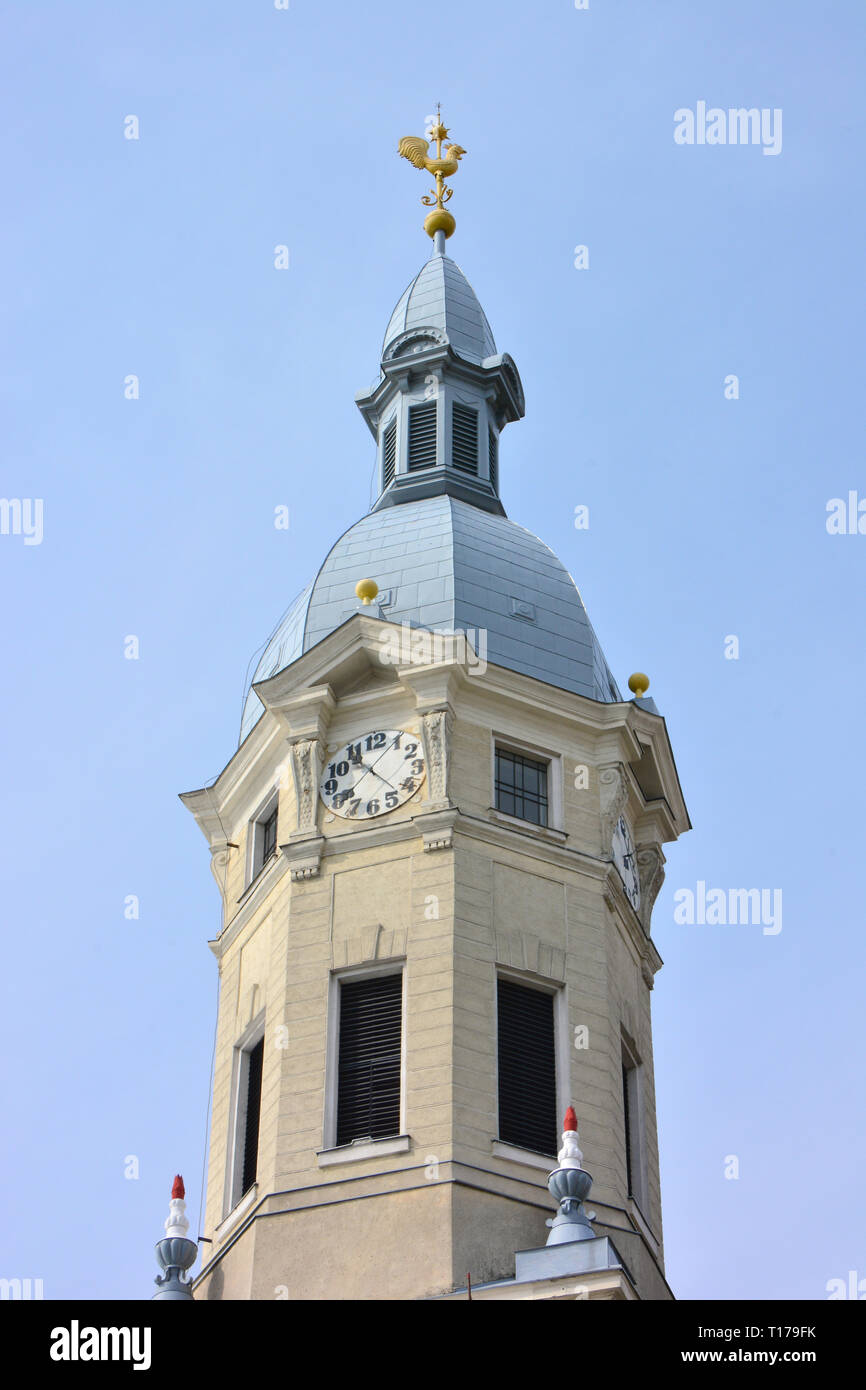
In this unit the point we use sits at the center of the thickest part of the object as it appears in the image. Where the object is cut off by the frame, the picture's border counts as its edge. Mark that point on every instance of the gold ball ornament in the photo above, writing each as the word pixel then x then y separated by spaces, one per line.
pixel 439 220
pixel 638 684
pixel 366 589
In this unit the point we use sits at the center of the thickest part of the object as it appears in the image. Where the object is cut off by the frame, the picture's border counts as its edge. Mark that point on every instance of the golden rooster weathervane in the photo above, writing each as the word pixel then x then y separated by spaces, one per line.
pixel 417 150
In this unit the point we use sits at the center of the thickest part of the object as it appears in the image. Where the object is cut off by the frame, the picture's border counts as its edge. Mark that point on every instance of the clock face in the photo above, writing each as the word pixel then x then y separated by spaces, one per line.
pixel 374 774
pixel 625 859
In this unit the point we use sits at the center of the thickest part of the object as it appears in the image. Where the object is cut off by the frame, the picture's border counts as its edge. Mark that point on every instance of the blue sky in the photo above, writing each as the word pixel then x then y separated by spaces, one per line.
pixel 261 127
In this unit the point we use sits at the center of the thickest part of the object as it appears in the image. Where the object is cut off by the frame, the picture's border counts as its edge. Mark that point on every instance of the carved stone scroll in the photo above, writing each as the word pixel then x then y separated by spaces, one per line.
pixel 651 868
pixel 614 794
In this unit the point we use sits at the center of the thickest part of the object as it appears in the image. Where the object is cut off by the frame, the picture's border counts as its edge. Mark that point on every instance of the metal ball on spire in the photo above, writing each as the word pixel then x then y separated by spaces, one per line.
pixel 366 590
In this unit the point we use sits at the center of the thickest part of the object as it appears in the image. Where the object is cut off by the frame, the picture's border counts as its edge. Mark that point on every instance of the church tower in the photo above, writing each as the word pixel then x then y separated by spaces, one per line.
pixel 438 845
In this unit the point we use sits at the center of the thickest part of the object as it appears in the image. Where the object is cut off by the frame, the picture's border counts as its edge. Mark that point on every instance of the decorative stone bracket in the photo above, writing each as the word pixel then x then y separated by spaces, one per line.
pixel 306 765
pixel 220 854
pixel 651 869
pixel 435 733
pixel 304 854
pixel 437 828
pixel 613 785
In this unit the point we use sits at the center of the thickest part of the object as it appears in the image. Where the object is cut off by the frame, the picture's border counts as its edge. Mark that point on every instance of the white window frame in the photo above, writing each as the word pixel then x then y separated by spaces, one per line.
pixel 502 1148
pixel 332 1064
pixel 636 1131
pixel 535 751
pixel 255 862
pixel 252 1034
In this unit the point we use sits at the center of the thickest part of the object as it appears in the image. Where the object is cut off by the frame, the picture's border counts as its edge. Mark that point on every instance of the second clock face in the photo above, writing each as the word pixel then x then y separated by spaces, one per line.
pixel 374 774
pixel 626 861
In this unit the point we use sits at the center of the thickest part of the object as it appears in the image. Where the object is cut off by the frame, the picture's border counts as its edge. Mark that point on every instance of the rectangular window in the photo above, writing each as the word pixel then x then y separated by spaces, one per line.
pixel 493 459
pixel 252 1112
pixel 521 786
pixel 263 838
pixel 632 1108
pixel 369 1058
pixel 527 1067
pixel 389 454
pixel 464 438
pixel 268 830
pixel 422 436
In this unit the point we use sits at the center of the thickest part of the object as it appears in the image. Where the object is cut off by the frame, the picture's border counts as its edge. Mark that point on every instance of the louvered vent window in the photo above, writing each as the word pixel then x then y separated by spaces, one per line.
pixel 527 1068
pixel 521 787
pixel 493 455
pixel 464 440
pixel 422 436
pixel 368 1094
pixel 389 454
pixel 255 1057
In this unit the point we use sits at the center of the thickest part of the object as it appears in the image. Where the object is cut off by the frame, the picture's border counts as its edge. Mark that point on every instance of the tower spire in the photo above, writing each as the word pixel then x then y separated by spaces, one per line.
pixel 439 223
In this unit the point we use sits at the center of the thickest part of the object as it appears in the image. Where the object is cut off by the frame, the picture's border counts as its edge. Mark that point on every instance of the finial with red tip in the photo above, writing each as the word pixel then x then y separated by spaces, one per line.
pixel 570 1155
pixel 177 1223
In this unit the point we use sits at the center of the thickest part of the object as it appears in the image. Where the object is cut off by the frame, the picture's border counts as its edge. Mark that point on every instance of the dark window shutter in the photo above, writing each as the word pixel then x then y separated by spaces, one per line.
pixel 464 438
pixel 629 1132
pixel 254 1110
pixel 368 1096
pixel 493 455
pixel 389 454
pixel 422 436
pixel 527 1068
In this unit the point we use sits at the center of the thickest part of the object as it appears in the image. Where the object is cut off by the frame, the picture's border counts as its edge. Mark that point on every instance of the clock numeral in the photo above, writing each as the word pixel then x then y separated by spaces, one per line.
pixel 374 741
pixel 353 807
pixel 340 800
pixel 408 784
pixel 331 785
pixel 411 749
pixel 391 799
pixel 417 767
pixel 372 808
pixel 353 753
pixel 338 769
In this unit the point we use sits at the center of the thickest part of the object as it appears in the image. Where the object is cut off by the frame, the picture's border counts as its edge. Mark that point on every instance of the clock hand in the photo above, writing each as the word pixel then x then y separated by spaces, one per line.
pixel 392 744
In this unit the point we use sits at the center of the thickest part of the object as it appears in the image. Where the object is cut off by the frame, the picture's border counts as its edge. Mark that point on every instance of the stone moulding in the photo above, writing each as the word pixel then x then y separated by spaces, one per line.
pixel 523 951
pixel 304 855
pixel 372 943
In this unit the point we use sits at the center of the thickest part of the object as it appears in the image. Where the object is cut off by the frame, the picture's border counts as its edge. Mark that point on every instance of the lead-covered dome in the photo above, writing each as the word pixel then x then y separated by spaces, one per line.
pixel 447 565
pixel 441 297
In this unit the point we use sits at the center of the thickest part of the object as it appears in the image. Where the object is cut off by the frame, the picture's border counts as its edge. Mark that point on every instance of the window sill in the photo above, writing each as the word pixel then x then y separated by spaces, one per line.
pixel 364 1148
pixel 260 874
pixel 239 1210
pixel 641 1222
pixel 544 832
pixel 527 1157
